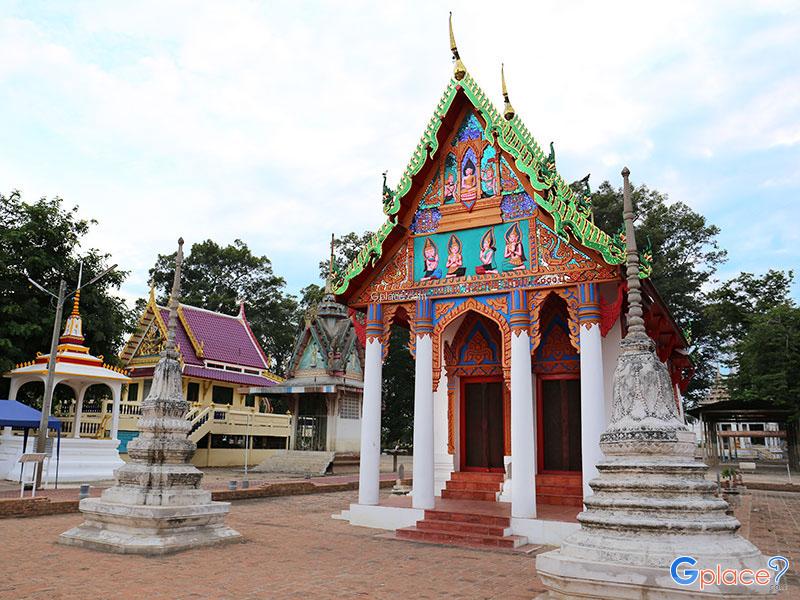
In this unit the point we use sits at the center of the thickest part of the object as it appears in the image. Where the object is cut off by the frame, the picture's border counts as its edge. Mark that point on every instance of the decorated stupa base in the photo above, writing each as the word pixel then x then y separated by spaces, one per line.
pixel 651 501
pixel 157 505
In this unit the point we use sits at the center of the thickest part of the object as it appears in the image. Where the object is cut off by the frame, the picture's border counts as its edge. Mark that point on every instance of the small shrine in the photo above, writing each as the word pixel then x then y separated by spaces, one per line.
pixel 325 380
pixel 89 451
pixel 515 303
pixel 220 360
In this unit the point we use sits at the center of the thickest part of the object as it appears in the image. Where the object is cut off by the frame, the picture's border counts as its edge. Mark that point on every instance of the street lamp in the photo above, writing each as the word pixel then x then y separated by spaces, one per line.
pixel 49 385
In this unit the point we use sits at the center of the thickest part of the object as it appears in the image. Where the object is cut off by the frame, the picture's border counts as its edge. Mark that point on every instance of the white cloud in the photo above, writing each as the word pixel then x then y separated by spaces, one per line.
pixel 272 123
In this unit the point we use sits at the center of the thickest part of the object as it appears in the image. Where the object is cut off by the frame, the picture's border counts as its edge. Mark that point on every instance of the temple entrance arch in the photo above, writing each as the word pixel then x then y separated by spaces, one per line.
pixel 478 399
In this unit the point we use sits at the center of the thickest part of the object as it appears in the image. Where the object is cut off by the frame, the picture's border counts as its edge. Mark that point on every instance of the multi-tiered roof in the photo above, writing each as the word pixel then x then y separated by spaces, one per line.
pixel 211 345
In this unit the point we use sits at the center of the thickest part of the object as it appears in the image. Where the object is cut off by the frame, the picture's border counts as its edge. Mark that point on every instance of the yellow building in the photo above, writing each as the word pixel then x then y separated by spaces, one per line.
pixel 221 359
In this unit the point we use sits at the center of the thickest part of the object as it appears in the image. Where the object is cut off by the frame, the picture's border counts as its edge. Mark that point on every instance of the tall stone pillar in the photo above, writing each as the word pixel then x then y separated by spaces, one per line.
pixel 523 439
pixel 651 502
pixel 423 484
pixel 370 462
pixel 593 420
pixel 158 505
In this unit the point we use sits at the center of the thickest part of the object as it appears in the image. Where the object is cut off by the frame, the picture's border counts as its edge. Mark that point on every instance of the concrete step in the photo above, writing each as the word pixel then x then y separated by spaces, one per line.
pixel 462 527
pixel 296 461
pixel 469 495
pixel 460 538
pixel 556 490
pixel 466 517
pixel 477 476
pixel 481 486
pixel 559 500
pixel 560 479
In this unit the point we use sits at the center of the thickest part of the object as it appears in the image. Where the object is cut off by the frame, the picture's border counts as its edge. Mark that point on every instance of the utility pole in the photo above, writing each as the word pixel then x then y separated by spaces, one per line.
pixel 47 402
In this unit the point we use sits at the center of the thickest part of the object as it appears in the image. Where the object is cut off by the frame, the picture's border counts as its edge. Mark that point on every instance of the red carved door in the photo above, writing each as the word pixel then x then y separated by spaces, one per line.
pixel 482 425
pixel 559 418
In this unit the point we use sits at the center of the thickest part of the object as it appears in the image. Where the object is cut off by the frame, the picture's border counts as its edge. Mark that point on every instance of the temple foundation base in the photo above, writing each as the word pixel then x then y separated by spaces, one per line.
pixel 569 578
pixel 149 530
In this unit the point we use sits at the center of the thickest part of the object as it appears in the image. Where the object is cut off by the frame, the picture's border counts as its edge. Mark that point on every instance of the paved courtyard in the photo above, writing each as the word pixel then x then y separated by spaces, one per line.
pixel 293 549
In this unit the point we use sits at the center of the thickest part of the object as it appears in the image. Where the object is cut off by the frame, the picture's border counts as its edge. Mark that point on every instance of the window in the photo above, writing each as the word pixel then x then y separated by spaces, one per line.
pixel 215 366
pixel 349 407
pixel 146 388
pixel 250 400
pixel 133 392
pixel 227 441
pixel 193 392
pixel 268 442
pixel 757 441
pixel 221 395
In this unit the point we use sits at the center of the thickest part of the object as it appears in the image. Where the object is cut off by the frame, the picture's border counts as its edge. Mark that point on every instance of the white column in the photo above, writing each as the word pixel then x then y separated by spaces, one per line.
pixel 116 391
pixel 14 386
pixel 423 484
pixel 593 418
pixel 76 422
pixel 370 461
pixel 593 387
pixel 523 440
pixel 423 424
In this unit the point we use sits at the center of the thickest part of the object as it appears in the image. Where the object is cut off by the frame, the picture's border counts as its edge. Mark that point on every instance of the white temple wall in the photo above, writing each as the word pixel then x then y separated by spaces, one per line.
pixel 348 435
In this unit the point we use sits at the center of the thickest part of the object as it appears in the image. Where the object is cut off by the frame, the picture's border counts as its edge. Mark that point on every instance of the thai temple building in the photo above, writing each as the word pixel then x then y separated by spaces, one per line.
pixel 89 452
pixel 221 360
pixel 325 381
pixel 514 300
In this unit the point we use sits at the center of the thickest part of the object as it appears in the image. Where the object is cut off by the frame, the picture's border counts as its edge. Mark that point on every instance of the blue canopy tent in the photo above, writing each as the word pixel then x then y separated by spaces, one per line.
pixel 16 414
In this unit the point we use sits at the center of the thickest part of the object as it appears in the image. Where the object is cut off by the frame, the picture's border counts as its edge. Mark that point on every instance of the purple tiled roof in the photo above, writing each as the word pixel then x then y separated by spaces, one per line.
pixel 227 376
pixel 224 338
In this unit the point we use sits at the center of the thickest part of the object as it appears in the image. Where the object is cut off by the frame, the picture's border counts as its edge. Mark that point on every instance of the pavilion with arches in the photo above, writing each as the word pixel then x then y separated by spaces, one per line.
pixel 89 449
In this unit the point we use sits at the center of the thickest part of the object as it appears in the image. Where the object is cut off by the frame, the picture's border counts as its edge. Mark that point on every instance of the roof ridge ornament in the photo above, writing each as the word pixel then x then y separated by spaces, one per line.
pixel 508 110
pixel 459 70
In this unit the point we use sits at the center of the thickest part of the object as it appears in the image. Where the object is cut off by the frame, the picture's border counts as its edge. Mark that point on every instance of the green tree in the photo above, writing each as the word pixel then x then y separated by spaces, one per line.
pixel 686 255
pixel 43 239
pixel 218 277
pixel 733 307
pixel 397 422
pixel 345 249
pixel 767 359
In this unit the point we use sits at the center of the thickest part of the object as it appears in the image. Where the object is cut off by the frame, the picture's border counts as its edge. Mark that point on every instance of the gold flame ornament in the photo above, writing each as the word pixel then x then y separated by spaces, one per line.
pixel 459 70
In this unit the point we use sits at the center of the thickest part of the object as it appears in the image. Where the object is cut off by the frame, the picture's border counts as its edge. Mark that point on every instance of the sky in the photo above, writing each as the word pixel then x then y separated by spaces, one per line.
pixel 272 122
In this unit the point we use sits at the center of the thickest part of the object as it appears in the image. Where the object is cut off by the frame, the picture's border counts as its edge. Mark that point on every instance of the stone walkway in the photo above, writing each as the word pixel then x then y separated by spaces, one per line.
pixel 293 549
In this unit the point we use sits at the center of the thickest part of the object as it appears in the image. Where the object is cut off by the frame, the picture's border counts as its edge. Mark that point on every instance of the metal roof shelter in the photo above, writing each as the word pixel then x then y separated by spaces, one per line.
pixel 16 414
pixel 736 411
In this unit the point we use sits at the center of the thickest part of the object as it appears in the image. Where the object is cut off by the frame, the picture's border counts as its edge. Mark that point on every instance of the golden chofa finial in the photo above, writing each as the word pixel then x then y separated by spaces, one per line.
pixel 508 110
pixel 459 70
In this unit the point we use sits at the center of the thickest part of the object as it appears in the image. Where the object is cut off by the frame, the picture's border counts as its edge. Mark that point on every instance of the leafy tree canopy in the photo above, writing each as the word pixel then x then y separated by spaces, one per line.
pixel 766 360
pixel 345 249
pixel 218 277
pixel 734 306
pixel 43 239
